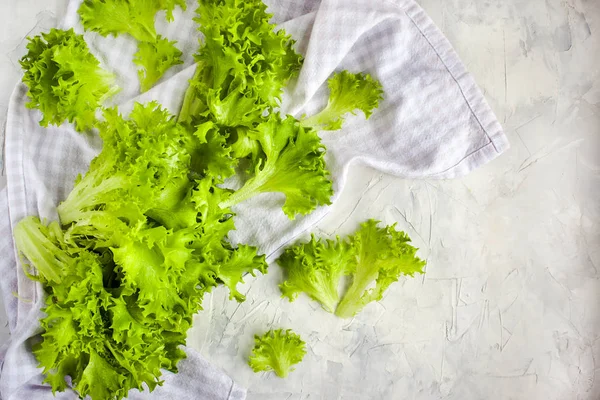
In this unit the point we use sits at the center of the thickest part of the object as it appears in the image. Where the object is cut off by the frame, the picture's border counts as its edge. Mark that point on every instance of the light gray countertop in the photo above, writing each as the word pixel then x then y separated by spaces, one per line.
pixel 509 305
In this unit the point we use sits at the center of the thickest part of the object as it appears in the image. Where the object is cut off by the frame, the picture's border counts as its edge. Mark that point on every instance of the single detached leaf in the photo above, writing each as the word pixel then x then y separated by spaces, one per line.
pixel 293 165
pixel 383 255
pixel 277 350
pixel 65 80
pixel 349 93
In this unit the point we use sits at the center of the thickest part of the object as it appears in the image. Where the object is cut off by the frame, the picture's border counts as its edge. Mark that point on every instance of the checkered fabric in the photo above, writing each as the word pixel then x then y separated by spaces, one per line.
pixel 433 123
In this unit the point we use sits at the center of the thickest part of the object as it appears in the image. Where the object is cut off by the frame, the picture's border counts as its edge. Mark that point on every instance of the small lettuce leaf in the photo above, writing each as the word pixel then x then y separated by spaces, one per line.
pixel 316 268
pixel 383 255
pixel 241 261
pixel 277 350
pixel 65 80
pixel 349 93
pixel 293 164
pixel 155 58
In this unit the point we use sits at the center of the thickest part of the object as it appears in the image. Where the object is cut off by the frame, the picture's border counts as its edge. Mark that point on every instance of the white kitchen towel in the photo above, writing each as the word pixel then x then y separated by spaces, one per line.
pixel 433 123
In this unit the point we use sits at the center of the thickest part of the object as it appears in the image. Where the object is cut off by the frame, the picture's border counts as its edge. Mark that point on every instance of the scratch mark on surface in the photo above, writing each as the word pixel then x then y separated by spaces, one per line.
pixel 370 185
pixel 501 330
pixel 510 273
pixel 508 339
pixel 345 328
pixel 252 312
pixel 556 280
pixel 528 366
pixel 385 345
pixel 452 278
pixel 468 208
pixel 482 314
pixel 357 347
pixel 381 192
pixel 528 162
pixel 430 216
pixel 513 376
pixel 456 287
pixel 409 223
pixel 505 74
pixel 443 354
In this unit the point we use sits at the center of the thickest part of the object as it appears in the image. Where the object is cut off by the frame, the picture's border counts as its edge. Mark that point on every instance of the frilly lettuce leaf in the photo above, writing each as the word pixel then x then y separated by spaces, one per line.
pixel 65 80
pixel 349 93
pixel 114 17
pixel 293 165
pixel 277 350
pixel 155 58
pixel 133 17
pixel 383 255
pixel 316 268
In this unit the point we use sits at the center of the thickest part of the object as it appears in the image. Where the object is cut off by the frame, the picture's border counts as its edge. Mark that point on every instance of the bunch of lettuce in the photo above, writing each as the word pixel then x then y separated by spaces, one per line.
pixel 156 54
pixel 65 80
pixel 373 257
pixel 143 234
pixel 138 246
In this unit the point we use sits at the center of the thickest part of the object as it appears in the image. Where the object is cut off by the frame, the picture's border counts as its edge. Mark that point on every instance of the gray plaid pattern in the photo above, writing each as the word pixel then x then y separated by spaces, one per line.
pixel 434 122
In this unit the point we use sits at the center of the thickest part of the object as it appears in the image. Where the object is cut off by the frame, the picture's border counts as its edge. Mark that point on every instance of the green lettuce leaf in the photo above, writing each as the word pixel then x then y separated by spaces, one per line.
pixel 241 261
pixel 113 17
pixel 155 58
pixel 383 255
pixel 133 17
pixel 349 93
pixel 293 165
pixel 316 268
pixel 65 80
pixel 277 350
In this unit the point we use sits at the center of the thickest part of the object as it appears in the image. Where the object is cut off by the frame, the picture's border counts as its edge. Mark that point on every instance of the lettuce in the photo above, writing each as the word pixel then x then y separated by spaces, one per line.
pixel 382 256
pixel 65 80
pixel 155 58
pixel 155 53
pixel 242 65
pixel 133 17
pixel 113 17
pixel 374 258
pixel 277 350
pixel 293 165
pixel 139 243
pixel 316 268
pixel 349 93
pixel 143 235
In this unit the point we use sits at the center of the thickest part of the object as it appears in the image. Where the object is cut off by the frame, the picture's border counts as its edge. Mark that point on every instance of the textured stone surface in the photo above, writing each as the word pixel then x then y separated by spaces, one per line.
pixel 508 308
